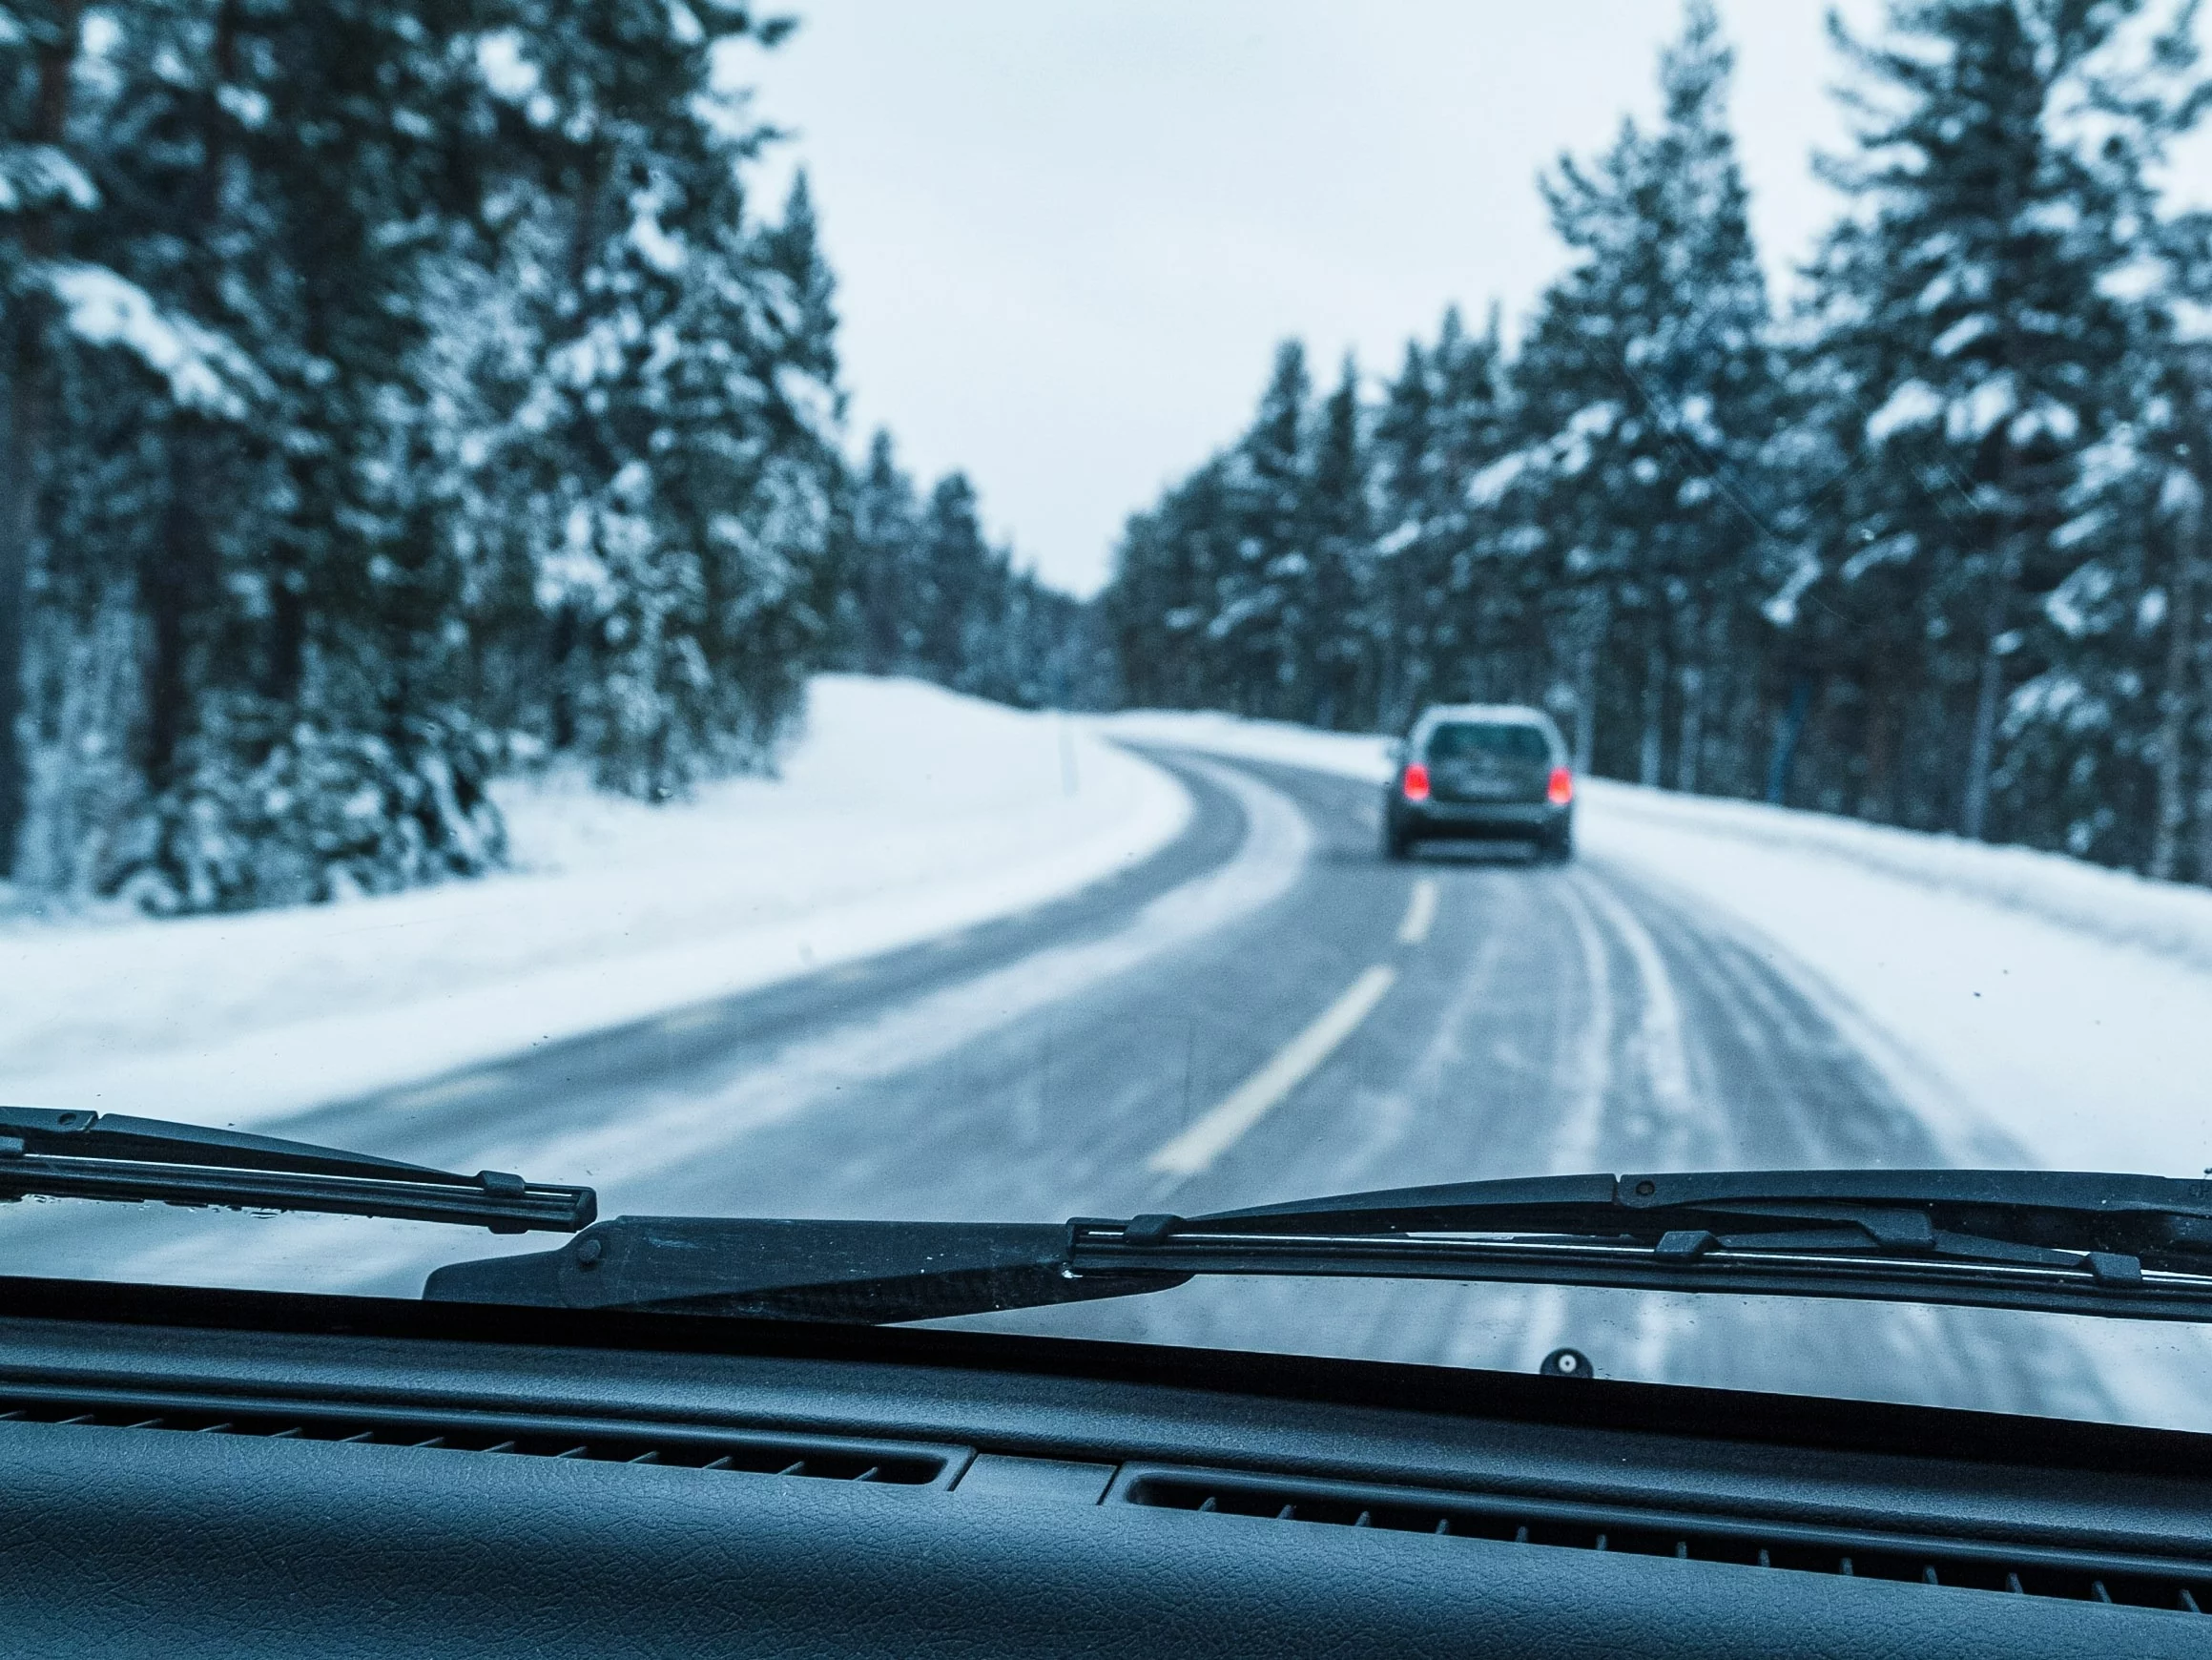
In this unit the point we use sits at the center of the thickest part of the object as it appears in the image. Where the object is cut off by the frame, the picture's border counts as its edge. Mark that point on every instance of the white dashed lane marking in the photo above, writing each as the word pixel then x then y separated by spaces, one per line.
pixel 1420 913
pixel 1259 1095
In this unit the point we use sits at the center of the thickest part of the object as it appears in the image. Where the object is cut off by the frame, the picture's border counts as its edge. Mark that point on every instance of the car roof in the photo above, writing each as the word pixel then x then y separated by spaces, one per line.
pixel 1493 714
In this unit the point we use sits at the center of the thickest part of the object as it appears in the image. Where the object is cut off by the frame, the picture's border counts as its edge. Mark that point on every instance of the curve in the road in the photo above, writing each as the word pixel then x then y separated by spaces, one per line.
pixel 1266 1010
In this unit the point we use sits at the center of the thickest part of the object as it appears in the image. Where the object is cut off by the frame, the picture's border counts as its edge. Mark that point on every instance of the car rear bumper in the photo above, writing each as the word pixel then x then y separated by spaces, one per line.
pixel 1480 821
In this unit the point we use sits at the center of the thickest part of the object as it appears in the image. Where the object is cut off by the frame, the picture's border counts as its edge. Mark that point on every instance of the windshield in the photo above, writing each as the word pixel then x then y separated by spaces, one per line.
pixel 1013 613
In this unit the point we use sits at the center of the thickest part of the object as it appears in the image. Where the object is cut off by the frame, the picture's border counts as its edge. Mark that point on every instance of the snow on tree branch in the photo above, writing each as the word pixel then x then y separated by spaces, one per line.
pixel 204 372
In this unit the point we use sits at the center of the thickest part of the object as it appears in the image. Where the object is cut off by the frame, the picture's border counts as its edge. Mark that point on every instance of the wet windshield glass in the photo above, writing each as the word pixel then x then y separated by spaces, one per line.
pixel 1016 611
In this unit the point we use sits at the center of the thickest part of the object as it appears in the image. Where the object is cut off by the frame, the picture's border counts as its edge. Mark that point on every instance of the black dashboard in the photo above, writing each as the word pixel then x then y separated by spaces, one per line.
pixel 199 1472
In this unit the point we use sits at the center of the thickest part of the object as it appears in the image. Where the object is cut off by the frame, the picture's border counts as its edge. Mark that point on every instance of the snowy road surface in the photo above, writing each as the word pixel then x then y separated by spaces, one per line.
pixel 1262 1011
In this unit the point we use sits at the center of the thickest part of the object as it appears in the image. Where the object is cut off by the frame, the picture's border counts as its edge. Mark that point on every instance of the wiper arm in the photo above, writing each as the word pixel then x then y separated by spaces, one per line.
pixel 110 1156
pixel 855 1272
pixel 2134 1247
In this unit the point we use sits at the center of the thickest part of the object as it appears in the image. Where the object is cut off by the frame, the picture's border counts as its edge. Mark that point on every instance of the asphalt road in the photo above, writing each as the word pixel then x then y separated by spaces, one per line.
pixel 1263 1010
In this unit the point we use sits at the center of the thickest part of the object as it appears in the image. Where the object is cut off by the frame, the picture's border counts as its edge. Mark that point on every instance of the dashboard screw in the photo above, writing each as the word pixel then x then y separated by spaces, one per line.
pixel 1644 1190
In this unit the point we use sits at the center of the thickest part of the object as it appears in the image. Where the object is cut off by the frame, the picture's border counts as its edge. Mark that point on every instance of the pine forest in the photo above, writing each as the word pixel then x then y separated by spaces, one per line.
pixel 400 393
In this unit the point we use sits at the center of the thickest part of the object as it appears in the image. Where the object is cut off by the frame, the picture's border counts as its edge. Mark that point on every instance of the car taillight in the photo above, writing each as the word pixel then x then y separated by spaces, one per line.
pixel 1561 789
pixel 1416 783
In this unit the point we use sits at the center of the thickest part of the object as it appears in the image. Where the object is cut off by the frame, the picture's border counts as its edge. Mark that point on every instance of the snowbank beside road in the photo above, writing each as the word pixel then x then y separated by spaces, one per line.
pixel 2066 1007
pixel 1354 754
pixel 2038 1009
pixel 903 811
pixel 2111 905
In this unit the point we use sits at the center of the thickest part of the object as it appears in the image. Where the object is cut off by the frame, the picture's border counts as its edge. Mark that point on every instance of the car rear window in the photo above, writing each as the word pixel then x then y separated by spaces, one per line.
pixel 1470 740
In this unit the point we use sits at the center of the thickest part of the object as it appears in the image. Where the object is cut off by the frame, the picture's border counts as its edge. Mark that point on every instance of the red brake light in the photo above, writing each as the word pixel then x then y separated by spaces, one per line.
pixel 1561 789
pixel 1417 783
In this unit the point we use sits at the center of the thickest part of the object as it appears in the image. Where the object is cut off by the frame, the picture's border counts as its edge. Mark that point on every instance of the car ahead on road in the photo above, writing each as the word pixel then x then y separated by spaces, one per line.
pixel 1487 772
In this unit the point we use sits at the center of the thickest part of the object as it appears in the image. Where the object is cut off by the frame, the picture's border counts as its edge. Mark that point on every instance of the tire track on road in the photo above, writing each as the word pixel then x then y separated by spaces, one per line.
pixel 1784 1090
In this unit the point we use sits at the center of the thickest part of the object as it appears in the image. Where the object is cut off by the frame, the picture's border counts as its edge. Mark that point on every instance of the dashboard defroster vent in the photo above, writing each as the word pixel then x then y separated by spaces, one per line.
pixel 689 1447
pixel 2017 1570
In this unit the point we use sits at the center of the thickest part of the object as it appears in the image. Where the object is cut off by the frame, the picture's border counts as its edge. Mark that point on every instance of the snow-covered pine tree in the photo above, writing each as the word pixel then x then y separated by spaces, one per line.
pixel 1336 666
pixel 683 497
pixel 957 561
pixel 183 264
pixel 1446 597
pixel 311 737
pixel 1170 566
pixel 883 576
pixel 2173 618
pixel 1960 303
pixel 75 336
pixel 774 575
pixel 1257 620
pixel 2105 743
pixel 1644 390
pixel 1405 462
pixel 1485 605
pixel 39 183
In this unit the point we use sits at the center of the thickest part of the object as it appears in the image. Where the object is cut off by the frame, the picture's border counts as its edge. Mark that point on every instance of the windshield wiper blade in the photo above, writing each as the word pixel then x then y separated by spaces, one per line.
pixel 111 1155
pixel 2124 1246
pixel 2131 1247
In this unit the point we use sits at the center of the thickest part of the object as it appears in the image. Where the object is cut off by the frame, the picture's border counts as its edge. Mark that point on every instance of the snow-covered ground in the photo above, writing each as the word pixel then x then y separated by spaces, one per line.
pixel 2039 1011
pixel 903 813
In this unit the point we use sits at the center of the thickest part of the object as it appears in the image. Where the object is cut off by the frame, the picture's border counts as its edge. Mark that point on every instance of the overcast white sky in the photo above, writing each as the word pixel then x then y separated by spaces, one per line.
pixel 1068 233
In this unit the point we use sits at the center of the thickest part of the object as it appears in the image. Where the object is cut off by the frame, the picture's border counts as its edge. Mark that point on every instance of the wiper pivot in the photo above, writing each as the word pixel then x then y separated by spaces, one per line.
pixel 866 1272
